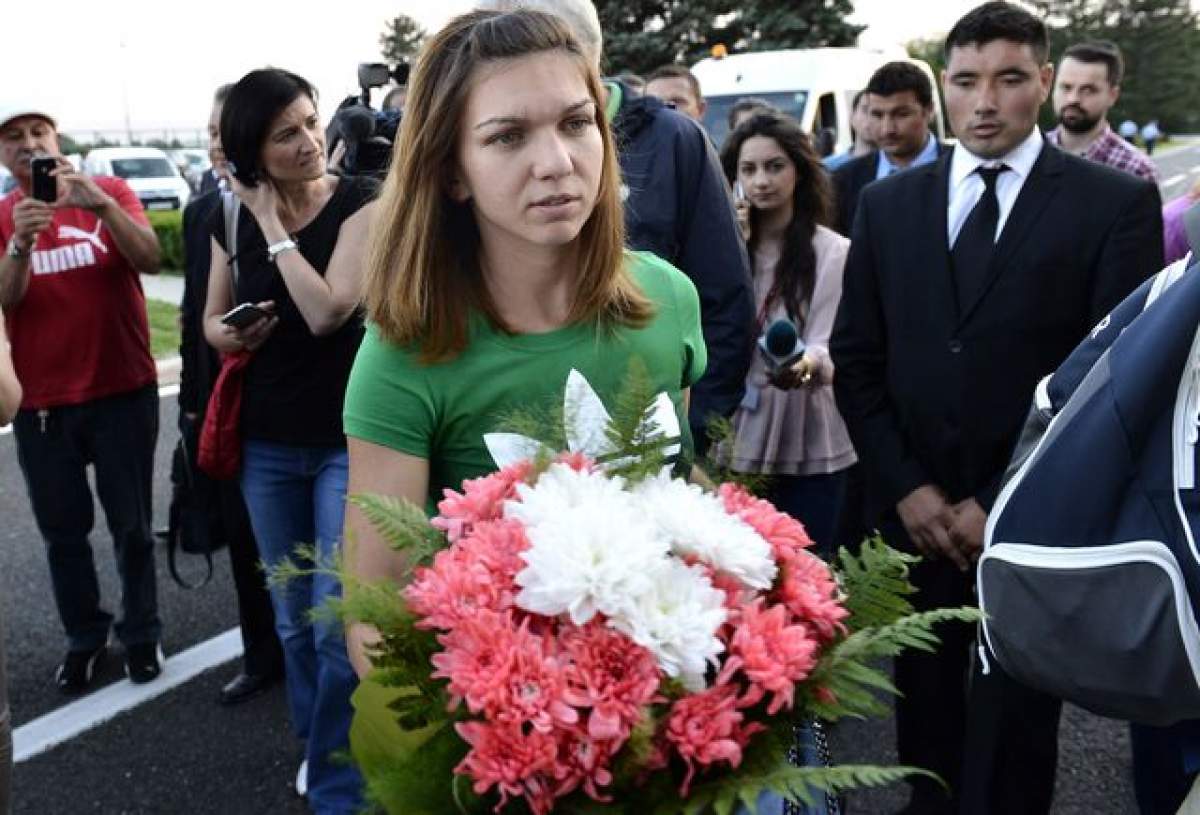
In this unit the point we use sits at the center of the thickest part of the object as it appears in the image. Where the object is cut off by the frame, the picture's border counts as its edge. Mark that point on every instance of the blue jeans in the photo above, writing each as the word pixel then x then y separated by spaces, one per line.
pixel 297 495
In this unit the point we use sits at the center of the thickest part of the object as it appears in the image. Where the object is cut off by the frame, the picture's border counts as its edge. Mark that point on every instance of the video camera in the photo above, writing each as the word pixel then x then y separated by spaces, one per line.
pixel 368 134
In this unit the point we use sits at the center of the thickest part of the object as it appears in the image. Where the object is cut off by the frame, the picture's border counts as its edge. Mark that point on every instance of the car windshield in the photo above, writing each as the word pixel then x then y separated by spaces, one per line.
pixel 142 168
pixel 716 118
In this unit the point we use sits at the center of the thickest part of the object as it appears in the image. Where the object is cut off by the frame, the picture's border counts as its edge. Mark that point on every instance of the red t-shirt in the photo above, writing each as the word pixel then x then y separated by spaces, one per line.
pixel 80 332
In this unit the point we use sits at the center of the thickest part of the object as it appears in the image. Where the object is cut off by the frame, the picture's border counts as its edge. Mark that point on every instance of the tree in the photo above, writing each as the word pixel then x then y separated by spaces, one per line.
pixel 641 35
pixel 401 39
pixel 1160 40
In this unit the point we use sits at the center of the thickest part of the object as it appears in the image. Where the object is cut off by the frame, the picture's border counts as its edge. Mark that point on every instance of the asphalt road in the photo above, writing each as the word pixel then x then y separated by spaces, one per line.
pixel 1178 170
pixel 183 753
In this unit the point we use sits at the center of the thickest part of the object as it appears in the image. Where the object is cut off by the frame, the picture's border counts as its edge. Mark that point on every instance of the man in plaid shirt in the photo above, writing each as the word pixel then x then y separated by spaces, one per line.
pixel 1088 84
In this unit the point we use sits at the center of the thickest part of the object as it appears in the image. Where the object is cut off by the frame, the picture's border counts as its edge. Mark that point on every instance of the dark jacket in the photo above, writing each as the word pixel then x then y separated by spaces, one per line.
pixel 200 361
pixel 678 206
pixel 848 183
pixel 937 395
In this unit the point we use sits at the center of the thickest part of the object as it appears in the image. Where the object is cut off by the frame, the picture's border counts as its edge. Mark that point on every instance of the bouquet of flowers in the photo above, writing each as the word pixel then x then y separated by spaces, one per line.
pixel 585 631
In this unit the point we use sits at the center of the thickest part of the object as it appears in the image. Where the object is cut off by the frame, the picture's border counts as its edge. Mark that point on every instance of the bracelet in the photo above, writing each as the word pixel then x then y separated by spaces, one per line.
pixel 277 249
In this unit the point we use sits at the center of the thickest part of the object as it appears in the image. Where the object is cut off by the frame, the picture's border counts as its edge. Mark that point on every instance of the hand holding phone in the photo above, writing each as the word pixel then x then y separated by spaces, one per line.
pixel 45 185
pixel 741 208
pixel 244 316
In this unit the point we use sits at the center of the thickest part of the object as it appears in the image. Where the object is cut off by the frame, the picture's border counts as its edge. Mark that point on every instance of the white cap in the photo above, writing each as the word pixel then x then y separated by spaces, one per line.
pixel 16 110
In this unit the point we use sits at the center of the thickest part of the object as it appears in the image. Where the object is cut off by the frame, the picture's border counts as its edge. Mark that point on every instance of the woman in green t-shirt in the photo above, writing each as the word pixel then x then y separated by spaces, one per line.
pixel 497 265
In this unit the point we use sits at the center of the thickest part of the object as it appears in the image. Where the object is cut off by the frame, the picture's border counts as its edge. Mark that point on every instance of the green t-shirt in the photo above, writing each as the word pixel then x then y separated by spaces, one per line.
pixel 440 412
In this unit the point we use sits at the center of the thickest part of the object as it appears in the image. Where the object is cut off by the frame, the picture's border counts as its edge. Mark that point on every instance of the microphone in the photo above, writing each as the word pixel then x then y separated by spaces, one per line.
pixel 780 345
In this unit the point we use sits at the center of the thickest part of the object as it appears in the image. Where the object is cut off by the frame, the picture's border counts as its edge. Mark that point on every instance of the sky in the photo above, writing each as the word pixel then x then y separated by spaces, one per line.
pixel 161 61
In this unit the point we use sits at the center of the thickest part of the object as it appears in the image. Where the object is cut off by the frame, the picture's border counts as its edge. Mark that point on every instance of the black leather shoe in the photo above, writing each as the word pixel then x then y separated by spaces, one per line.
pixel 245 686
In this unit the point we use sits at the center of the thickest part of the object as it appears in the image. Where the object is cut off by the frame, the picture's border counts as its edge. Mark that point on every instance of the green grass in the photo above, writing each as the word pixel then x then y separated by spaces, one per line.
pixel 164 328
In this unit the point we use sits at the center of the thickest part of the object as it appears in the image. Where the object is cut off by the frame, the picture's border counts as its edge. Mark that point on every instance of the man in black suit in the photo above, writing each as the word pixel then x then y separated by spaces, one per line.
pixel 967 281
pixel 900 107
pixel 262 657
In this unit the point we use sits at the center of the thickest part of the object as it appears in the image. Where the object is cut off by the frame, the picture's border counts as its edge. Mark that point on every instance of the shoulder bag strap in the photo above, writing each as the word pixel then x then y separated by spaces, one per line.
pixel 232 206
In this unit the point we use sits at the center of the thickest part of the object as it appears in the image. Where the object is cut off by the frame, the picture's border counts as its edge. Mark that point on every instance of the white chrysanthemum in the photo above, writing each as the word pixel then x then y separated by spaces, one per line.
pixel 677 620
pixel 592 548
pixel 696 523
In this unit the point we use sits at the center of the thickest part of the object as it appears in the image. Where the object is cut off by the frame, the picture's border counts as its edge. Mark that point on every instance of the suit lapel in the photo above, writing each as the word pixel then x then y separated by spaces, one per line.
pixel 1036 193
pixel 937 182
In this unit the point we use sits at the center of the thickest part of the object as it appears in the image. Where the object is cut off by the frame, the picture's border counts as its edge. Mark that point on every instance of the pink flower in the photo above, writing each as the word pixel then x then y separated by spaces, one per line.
pixel 773 655
pixel 576 461
pixel 477 572
pixel 611 674
pixel 708 727
pixel 515 760
pixel 810 592
pixel 583 761
pixel 504 672
pixel 785 534
pixel 482 499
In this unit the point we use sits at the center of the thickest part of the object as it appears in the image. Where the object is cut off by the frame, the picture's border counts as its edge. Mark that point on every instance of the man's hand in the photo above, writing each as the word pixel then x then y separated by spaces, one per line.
pixel 966 533
pixel 77 190
pixel 30 217
pixel 928 516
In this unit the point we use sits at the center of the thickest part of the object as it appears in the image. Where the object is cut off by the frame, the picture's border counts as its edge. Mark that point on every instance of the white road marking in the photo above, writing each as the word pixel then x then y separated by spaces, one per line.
pixel 65 723
pixel 1175 179
pixel 163 393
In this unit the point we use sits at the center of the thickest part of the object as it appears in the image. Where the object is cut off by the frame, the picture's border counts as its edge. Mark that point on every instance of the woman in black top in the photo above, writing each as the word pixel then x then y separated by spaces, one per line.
pixel 299 253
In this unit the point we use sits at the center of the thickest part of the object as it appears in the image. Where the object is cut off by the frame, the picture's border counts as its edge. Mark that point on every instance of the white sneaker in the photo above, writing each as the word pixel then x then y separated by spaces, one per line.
pixel 302 779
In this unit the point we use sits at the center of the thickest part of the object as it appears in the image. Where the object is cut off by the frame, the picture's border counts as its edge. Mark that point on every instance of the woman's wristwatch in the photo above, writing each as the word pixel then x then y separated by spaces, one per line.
pixel 277 249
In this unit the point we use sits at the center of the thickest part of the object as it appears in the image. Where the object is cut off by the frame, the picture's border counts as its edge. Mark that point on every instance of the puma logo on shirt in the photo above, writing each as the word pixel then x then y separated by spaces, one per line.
pixel 68 232
pixel 71 256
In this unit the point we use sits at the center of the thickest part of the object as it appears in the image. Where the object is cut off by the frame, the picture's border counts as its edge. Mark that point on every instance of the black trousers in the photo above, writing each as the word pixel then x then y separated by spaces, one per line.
pixel 262 654
pixel 1012 746
pixel 116 435
pixel 993 741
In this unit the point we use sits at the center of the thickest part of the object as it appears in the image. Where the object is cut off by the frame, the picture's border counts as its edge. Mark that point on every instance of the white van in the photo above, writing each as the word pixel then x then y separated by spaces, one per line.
pixel 150 174
pixel 815 85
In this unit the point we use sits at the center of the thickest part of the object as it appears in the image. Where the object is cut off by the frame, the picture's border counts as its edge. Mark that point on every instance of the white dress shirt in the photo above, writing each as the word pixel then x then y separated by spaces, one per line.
pixel 966 186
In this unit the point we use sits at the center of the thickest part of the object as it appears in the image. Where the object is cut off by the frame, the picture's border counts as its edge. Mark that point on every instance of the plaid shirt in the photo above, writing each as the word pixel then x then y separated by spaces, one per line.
pixel 1117 153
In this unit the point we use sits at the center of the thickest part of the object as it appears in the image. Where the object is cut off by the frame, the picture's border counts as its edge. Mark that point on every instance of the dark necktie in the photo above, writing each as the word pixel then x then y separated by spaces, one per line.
pixel 976 243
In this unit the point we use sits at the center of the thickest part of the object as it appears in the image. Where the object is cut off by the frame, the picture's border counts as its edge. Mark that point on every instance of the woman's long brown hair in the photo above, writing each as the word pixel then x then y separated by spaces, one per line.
pixel 812 204
pixel 423 274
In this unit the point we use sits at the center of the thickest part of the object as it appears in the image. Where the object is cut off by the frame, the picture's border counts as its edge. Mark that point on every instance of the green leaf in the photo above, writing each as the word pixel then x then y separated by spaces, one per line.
pixel 406 771
pixel 848 669
pixel 403 526
pixel 875 582
pixel 639 443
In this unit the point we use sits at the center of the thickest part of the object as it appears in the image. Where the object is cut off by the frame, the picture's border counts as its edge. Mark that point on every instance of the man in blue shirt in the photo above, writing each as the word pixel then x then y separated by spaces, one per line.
pixel 901 109
pixel 860 129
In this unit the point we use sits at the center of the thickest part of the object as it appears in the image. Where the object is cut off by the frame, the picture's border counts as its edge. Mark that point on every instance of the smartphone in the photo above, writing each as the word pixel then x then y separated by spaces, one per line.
pixel 246 179
pixel 739 192
pixel 244 316
pixel 45 186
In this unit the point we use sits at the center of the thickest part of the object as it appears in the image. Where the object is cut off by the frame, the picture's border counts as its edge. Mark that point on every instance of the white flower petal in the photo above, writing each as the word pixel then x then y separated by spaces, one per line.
pixel 696 524
pixel 585 417
pixel 510 448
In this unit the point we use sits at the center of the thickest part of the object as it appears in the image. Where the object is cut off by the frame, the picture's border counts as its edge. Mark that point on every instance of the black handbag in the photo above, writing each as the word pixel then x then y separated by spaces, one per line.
pixel 195 520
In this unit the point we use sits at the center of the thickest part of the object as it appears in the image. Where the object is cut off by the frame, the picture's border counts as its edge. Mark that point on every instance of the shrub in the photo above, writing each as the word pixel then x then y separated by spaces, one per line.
pixel 168 226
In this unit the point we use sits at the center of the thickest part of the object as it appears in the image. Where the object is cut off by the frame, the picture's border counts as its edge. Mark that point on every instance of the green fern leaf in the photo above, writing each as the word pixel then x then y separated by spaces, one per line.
pixel 403 526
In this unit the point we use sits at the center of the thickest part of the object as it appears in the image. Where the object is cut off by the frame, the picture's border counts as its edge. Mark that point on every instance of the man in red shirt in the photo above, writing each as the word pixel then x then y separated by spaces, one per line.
pixel 70 289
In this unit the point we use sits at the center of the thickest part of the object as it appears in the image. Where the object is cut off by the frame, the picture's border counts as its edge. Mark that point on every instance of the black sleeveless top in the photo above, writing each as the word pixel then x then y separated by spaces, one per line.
pixel 296 381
